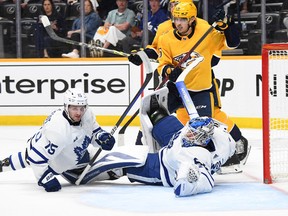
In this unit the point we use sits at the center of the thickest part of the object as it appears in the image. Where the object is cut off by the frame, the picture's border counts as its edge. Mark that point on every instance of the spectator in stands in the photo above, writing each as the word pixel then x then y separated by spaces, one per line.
pixel 92 22
pixel 94 3
pixel 244 6
pixel 26 2
pixel 45 46
pixel 117 25
pixel 156 15
pixel 23 3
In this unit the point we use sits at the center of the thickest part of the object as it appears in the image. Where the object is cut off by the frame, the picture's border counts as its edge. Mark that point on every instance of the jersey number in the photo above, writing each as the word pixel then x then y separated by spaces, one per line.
pixel 51 148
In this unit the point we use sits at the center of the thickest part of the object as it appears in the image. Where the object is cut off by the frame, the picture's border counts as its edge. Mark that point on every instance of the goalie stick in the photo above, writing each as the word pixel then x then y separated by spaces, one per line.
pixel 149 74
pixel 184 94
pixel 46 23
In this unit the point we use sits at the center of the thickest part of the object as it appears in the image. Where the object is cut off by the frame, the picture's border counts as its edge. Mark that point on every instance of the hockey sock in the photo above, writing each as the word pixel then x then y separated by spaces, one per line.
pixel 14 162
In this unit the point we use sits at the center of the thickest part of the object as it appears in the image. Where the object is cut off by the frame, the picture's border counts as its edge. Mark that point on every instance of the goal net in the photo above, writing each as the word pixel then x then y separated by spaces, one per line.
pixel 275 112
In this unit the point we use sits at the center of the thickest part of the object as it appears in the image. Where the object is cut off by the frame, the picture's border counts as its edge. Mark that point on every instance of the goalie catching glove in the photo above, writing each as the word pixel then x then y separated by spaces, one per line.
pixel 223 21
pixel 49 181
pixel 104 139
pixel 171 72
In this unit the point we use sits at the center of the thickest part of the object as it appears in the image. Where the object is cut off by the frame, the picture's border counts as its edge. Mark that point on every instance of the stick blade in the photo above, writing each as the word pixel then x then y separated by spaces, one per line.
pixel 121 139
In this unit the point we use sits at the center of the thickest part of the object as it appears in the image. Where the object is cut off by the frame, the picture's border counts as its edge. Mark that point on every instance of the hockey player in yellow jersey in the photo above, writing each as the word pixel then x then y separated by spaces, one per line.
pixel 152 49
pixel 200 82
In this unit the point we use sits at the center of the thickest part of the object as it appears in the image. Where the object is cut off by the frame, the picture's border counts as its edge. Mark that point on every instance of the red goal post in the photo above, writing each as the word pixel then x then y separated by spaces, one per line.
pixel 275 112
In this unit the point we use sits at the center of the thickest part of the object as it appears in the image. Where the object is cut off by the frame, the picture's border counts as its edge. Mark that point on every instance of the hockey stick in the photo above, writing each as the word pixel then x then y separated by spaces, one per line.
pixel 46 23
pixel 149 73
pixel 124 127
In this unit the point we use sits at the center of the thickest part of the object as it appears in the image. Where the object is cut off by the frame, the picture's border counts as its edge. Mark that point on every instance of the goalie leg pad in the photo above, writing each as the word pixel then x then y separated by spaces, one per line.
pixel 72 175
pixel 149 173
pixel 162 97
pixel 118 158
pixel 165 129
pixel 145 111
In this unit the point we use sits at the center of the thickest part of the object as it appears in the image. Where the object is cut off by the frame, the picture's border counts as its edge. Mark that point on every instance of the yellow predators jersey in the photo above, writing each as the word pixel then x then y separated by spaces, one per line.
pixel 173 47
pixel 162 29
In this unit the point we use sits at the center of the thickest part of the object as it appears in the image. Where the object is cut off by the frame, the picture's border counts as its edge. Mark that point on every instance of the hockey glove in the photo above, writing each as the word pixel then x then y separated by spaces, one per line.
pixel 187 176
pixel 135 58
pixel 49 182
pixel 222 20
pixel 175 73
pixel 105 140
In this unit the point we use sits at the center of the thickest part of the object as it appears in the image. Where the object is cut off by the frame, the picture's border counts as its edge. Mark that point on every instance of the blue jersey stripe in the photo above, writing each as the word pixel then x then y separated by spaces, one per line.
pixel 165 170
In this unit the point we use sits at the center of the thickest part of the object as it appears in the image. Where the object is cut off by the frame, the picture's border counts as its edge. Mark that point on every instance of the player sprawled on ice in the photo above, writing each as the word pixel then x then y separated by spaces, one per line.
pixel 188 157
pixel 61 144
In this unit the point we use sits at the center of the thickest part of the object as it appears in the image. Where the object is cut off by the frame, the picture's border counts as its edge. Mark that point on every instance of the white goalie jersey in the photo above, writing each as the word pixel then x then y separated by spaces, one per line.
pixel 208 160
pixel 60 145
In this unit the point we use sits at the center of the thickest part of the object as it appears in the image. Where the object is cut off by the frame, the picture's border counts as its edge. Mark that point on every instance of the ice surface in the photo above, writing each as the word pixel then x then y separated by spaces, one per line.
pixel 237 194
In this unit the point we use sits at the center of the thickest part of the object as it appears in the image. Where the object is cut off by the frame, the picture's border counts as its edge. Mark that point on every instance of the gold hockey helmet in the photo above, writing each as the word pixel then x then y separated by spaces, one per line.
pixel 173 3
pixel 184 10
pixel 180 1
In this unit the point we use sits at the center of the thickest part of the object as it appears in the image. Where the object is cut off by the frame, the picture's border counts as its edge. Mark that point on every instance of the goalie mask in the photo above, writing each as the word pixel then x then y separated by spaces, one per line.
pixel 75 97
pixel 198 131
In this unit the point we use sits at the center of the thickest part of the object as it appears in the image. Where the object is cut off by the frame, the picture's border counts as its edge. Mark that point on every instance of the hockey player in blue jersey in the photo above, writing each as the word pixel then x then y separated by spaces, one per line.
pixel 62 142
pixel 188 157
